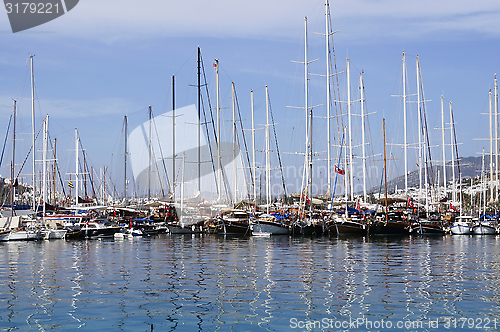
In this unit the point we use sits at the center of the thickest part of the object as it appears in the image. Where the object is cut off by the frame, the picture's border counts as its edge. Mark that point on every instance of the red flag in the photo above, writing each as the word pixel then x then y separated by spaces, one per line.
pixel 306 199
pixel 410 203
pixel 453 208
pixel 357 205
pixel 215 64
pixel 338 170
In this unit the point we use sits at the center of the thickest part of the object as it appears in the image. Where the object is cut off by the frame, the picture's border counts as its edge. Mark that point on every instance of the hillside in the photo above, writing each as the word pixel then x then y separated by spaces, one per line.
pixel 469 167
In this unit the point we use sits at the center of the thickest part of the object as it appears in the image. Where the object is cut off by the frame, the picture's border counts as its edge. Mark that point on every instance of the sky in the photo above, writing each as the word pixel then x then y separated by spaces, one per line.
pixel 107 59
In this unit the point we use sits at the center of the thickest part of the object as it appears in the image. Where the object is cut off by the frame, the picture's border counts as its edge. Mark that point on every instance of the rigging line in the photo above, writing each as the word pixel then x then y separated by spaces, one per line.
pixel 87 166
pixel 29 152
pixel 456 147
pixel 337 173
pixel 58 172
pixel 427 139
pixel 188 59
pixel 162 158
pixel 5 142
pixel 246 148
pixel 277 149
pixel 206 122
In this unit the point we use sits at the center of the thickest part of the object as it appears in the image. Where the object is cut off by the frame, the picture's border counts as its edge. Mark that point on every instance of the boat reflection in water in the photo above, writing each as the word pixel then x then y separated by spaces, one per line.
pixel 205 282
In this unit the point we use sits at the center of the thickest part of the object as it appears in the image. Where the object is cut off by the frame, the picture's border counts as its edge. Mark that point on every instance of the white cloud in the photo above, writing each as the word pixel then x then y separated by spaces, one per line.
pixel 124 19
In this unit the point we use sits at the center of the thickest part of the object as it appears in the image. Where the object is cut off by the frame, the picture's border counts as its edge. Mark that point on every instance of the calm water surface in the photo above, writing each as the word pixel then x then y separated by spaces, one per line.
pixel 212 283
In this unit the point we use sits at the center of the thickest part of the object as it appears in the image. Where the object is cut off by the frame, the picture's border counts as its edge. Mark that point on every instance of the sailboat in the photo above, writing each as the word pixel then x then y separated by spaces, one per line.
pixel 394 222
pixel 269 224
pixel 484 225
pixel 427 224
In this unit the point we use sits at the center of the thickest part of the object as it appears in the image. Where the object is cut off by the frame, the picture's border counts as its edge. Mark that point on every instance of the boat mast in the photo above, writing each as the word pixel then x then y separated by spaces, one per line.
pixel 444 144
pixel 44 166
pixel 454 194
pixel 496 139
pixel 385 173
pixel 362 87
pixel 419 117
pixel 483 188
pixel 33 129
pixel 405 145
pixel 308 119
pixel 328 135
pixel 125 161
pixel 150 112
pixel 199 120
pixel 173 138
pixel 346 191
pixel 13 168
pixel 234 144
pixel 54 174
pixel 349 115
pixel 76 167
pixel 253 154
pixel 268 162
pixel 219 170
pixel 491 149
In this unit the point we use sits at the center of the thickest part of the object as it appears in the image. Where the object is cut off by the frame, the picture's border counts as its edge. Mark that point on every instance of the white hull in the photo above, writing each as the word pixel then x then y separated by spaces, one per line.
pixel 484 230
pixel 55 234
pixel 460 229
pixel 24 235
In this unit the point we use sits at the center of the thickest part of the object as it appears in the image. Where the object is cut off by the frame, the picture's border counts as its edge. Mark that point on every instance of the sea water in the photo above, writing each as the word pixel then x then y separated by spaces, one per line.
pixel 216 283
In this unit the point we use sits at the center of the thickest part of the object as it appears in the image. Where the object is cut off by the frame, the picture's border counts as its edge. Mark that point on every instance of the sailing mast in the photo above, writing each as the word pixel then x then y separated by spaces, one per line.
pixel 150 113
pixel 405 146
pixel 199 120
pixel 349 116
pixel 219 170
pixel 496 139
pixel 385 173
pixel 328 137
pixel 33 129
pixel 234 144
pixel 253 153
pixel 125 161
pixel 454 194
pixel 76 167
pixel 306 88
pixel 491 149
pixel 268 161
pixel 44 166
pixel 362 87
pixel 444 144
pixel 54 174
pixel 173 138
pixel 13 168
pixel 419 117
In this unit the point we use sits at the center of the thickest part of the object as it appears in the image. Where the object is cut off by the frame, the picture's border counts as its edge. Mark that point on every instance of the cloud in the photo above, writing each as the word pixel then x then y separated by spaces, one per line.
pixel 129 19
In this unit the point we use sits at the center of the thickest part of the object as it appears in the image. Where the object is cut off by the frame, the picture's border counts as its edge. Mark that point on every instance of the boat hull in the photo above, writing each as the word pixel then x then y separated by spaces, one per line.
pixel 263 226
pixel 484 230
pixel 461 230
pixel 390 228
pixel 346 227
pixel 186 229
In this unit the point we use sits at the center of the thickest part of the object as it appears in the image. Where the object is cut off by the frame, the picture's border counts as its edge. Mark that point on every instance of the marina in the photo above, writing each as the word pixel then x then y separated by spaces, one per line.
pixel 266 166
pixel 208 282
